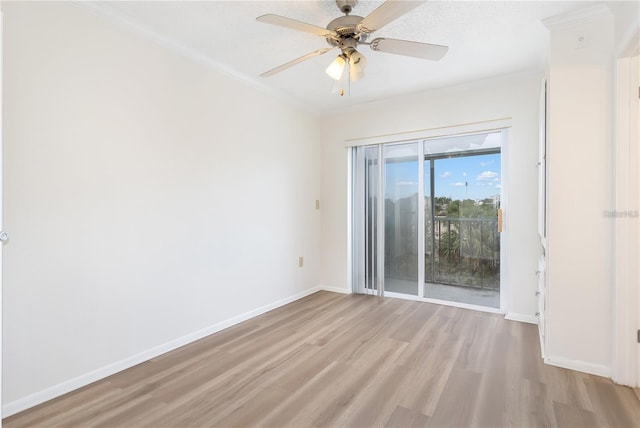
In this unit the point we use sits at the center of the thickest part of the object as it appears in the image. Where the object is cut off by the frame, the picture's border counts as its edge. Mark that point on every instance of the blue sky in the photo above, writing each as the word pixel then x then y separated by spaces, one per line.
pixel 481 173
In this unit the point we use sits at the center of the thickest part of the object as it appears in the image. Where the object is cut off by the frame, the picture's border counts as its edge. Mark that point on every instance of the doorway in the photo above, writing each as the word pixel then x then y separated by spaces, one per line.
pixel 426 221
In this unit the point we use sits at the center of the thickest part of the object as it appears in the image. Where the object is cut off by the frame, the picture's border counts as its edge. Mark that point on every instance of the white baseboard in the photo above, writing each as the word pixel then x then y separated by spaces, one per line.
pixel 580 366
pixel 530 319
pixel 52 392
pixel 334 289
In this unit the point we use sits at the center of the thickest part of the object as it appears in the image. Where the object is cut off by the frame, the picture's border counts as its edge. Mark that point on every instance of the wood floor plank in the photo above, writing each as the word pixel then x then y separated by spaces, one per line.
pixel 246 415
pixel 309 399
pixel 406 418
pixel 349 361
pixel 339 397
pixel 114 400
pixel 479 334
pixel 430 377
pixel 47 412
pixel 613 406
pixel 491 404
pixel 370 408
pixel 525 342
pixel 528 405
pixel 411 324
pixel 131 416
pixel 456 405
pixel 567 387
pixel 572 416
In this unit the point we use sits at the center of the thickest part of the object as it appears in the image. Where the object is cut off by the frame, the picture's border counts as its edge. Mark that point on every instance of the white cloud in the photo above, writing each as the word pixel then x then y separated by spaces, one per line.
pixel 483 164
pixel 487 175
pixel 458 184
pixel 498 186
pixel 464 174
pixel 406 183
pixel 446 174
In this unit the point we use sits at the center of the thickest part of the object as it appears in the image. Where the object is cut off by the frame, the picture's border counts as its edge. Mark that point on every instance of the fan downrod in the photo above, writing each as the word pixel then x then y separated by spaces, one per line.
pixel 346 6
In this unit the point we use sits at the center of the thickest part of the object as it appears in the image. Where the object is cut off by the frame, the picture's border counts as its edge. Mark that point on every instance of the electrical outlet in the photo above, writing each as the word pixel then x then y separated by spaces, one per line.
pixel 300 261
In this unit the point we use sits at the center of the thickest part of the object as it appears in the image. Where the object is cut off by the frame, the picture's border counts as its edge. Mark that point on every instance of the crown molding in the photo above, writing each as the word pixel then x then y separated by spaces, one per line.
pixel 577 17
pixel 193 55
pixel 450 90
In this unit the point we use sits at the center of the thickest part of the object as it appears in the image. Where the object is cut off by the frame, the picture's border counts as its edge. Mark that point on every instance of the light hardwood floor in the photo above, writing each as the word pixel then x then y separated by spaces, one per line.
pixel 349 360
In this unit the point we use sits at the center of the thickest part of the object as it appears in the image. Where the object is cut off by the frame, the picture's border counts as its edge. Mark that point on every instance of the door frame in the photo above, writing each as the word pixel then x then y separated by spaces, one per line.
pixel 625 367
pixel 1 190
pixel 497 125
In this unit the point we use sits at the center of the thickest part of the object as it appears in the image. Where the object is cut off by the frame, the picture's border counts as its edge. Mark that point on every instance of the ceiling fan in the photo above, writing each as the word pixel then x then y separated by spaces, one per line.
pixel 348 32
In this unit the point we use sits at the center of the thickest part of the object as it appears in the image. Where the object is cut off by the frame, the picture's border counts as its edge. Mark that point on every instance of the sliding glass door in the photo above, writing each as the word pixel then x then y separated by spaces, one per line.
pixel 425 219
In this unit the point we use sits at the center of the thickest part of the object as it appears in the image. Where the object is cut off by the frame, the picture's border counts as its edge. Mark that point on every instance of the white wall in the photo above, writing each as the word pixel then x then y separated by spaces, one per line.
pixel 514 96
pixel 580 238
pixel 147 197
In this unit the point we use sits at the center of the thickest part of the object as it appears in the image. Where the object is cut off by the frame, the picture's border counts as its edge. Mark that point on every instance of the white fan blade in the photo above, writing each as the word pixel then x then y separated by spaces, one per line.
pixel 294 24
pixel 387 12
pixel 296 61
pixel 407 48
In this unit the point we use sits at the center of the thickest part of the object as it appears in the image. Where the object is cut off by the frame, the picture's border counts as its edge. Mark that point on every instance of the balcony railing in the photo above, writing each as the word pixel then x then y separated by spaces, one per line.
pixel 463 252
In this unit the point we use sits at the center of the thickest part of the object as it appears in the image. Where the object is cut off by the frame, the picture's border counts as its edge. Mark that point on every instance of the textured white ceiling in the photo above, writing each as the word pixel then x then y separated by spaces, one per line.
pixel 485 39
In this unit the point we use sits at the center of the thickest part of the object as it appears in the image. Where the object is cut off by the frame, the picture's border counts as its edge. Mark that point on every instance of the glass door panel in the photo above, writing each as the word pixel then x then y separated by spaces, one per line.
pixel 401 218
pixel 371 235
pixel 462 230
pixel 429 257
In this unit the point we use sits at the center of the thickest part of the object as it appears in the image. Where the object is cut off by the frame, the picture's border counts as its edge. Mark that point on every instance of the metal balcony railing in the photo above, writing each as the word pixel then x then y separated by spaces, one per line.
pixel 463 252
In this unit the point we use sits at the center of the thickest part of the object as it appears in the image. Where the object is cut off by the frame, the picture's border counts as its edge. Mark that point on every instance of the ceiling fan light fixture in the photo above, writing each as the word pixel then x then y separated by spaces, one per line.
pixel 337 67
pixel 348 32
pixel 357 63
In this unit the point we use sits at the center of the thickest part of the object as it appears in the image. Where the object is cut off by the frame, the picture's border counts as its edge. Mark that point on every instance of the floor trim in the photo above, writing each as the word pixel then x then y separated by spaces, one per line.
pixel 334 289
pixel 581 366
pixel 62 388
pixel 530 319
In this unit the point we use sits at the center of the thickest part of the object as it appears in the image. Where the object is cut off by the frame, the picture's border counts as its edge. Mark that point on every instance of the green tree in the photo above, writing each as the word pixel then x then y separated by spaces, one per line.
pixel 449 244
pixel 453 209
